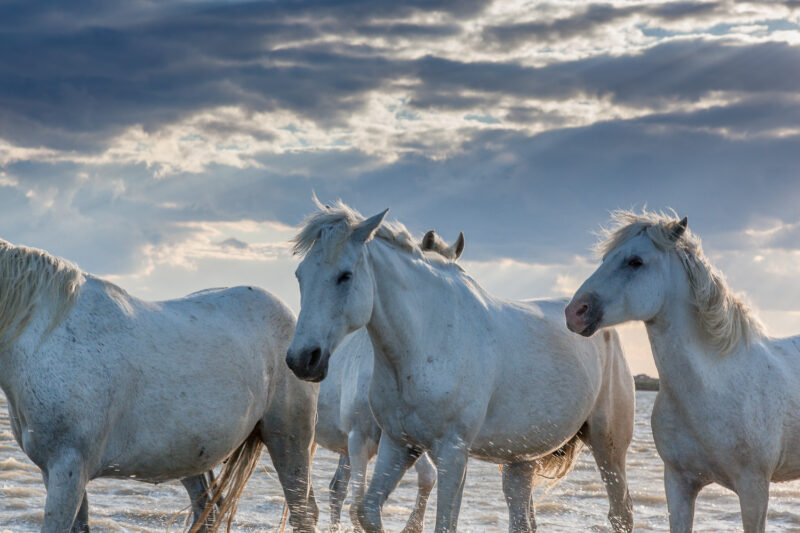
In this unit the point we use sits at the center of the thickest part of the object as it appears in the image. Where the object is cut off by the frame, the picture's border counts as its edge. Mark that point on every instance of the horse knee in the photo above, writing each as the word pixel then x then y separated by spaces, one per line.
pixel 66 484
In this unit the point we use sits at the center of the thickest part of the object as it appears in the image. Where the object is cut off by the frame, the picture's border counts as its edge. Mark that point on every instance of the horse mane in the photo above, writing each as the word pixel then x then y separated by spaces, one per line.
pixel 724 317
pixel 334 224
pixel 30 276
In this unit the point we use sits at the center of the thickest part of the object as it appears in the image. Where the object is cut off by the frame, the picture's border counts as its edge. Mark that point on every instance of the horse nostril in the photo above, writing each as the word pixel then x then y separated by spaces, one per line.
pixel 315 355
pixel 582 310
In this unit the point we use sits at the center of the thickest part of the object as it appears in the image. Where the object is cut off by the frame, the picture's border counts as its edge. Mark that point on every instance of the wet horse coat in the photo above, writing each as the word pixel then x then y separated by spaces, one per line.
pixel 728 408
pixel 101 384
pixel 458 371
pixel 345 423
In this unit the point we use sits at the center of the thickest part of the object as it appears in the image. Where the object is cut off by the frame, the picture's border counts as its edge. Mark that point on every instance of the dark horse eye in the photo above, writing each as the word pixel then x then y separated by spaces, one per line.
pixel 635 262
pixel 344 276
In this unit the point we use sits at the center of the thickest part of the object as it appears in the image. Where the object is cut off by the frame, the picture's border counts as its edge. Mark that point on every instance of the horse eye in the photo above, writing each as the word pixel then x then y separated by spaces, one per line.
pixel 344 276
pixel 635 262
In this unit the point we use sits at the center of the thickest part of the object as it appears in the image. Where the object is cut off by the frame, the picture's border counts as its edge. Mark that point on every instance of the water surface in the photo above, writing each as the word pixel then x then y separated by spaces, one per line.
pixel 578 504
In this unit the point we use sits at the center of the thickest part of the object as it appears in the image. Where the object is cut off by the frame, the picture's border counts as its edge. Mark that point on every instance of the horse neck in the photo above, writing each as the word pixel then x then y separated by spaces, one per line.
pixel 685 360
pixel 16 356
pixel 407 298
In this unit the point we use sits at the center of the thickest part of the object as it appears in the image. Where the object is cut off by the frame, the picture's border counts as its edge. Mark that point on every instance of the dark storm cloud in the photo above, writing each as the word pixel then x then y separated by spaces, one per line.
pixel 53 15
pixel 593 18
pixel 73 77
pixel 75 74
pixel 770 114
pixel 677 70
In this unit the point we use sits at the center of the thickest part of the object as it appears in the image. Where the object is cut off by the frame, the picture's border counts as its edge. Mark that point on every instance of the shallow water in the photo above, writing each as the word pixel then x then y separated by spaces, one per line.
pixel 577 504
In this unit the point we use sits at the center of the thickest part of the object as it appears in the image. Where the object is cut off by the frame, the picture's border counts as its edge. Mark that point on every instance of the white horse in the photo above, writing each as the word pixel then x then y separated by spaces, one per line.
pixel 728 410
pixel 101 384
pixel 345 424
pixel 458 371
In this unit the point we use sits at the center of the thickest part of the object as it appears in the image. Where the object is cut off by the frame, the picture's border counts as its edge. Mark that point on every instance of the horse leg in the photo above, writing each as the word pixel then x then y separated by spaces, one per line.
pixel 291 457
pixel 426 479
pixel 81 523
pixel 609 431
pixel 393 461
pixel 609 450
pixel 681 495
pixel 66 486
pixel 361 449
pixel 209 482
pixel 450 457
pixel 517 488
pixel 197 487
pixel 532 513
pixel 753 500
pixel 338 488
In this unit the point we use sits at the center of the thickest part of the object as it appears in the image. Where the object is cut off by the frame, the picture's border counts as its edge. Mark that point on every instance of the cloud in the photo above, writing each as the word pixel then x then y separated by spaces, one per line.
pixel 159 142
pixel 99 70
pixel 680 70
pixel 233 242
pixel 591 19
pixel 537 197
pixel 90 83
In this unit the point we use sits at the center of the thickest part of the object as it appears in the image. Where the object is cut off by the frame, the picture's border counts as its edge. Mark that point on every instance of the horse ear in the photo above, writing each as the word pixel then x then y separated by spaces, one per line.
pixel 429 240
pixel 678 229
pixel 366 229
pixel 458 246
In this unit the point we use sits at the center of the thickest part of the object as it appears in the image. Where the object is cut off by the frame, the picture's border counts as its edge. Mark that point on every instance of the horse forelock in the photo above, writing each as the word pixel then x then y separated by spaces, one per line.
pixel 331 226
pixel 27 276
pixel 724 316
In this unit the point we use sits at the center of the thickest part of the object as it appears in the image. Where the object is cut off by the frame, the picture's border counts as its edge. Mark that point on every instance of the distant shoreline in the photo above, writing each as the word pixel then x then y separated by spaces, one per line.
pixel 645 382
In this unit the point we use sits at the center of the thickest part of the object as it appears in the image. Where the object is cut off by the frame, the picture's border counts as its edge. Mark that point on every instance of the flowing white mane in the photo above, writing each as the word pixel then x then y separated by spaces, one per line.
pixel 332 225
pixel 725 318
pixel 28 276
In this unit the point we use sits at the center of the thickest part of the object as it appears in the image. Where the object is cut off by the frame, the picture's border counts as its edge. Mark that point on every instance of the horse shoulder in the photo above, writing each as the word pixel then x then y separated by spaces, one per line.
pixel 544 323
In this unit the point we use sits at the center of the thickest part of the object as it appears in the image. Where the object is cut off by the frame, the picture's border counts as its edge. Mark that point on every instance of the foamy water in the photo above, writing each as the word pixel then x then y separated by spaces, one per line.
pixel 578 504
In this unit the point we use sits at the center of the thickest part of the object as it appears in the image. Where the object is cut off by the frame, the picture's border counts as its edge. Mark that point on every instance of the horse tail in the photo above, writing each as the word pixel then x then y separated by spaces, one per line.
pixel 557 465
pixel 228 486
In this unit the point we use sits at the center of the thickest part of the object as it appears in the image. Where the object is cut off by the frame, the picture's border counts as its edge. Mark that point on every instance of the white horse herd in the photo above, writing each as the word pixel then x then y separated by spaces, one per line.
pixel 417 362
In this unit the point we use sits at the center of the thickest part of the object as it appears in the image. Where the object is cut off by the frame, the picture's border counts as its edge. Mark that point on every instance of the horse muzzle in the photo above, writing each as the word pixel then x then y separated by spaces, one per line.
pixel 310 364
pixel 584 314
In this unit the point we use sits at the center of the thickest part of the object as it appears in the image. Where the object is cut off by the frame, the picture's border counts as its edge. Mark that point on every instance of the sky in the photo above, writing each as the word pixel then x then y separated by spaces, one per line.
pixel 171 146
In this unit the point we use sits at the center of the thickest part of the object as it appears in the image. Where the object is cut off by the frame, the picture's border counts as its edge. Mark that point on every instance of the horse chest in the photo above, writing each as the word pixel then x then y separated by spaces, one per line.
pixel 708 445
pixel 418 409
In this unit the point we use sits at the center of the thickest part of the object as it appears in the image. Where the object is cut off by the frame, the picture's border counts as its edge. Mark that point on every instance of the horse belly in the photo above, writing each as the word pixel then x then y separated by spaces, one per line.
pixel 159 467
pixel 329 434
pixel 789 465
pixel 177 434
pixel 529 421
pixel 788 471
pixel 501 443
